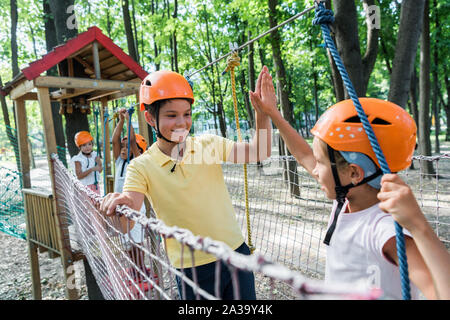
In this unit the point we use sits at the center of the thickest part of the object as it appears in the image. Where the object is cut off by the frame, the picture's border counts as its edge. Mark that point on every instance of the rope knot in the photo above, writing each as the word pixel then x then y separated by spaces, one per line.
pixel 323 15
pixel 233 61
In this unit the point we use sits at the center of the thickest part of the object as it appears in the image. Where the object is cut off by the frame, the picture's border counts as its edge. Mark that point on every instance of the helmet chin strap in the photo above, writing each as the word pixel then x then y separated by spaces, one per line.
pixel 341 192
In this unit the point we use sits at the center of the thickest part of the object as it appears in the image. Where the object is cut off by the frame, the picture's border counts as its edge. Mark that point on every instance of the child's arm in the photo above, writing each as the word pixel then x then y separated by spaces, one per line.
pixel 298 147
pixel 397 198
pixel 260 147
pixel 99 166
pixel 131 199
pixel 116 134
pixel 82 174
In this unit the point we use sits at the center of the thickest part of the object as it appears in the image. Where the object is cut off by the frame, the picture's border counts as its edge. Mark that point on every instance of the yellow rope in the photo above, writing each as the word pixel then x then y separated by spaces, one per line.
pixel 234 61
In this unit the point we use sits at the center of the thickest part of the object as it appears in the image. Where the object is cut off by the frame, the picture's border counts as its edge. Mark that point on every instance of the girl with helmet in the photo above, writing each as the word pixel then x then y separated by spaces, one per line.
pixel 182 178
pixel 360 237
pixel 138 146
pixel 86 164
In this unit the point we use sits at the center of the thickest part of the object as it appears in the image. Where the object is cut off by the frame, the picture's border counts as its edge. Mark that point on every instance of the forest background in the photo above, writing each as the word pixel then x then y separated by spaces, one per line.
pixel 394 50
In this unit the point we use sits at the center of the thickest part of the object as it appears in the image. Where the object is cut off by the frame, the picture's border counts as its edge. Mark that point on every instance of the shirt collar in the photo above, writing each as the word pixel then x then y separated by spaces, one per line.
pixel 162 159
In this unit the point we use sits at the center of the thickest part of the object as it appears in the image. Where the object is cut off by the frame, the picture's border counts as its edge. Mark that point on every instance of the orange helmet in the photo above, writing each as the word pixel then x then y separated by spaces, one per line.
pixel 161 85
pixel 394 128
pixel 82 137
pixel 140 140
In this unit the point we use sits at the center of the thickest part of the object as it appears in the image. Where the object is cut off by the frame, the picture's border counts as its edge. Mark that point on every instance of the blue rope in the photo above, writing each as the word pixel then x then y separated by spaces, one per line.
pixel 324 17
pixel 96 113
pixel 130 112
pixel 105 123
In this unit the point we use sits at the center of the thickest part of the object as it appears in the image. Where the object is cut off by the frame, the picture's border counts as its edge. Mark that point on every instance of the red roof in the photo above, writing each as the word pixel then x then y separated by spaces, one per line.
pixel 36 68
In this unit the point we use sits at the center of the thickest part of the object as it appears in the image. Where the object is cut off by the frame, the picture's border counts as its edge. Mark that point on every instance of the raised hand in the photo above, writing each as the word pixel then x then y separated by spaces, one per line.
pixel 264 99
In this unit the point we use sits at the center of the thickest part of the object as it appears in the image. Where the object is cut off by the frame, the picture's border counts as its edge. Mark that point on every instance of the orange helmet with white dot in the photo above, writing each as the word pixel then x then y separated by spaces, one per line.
pixel 394 128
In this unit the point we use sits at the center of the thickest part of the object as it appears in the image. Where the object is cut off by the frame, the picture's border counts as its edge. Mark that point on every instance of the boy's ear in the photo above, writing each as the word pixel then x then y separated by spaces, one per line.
pixel 356 173
pixel 149 118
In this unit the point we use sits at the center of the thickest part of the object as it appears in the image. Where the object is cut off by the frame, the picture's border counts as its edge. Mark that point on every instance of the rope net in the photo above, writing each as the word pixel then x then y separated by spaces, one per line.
pixel 12 216
pixel 126 269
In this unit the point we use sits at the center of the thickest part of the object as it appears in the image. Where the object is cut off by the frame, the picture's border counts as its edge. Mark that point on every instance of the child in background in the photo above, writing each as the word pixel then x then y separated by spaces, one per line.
pixel 361 244
pixel 138 145
pixel 86 164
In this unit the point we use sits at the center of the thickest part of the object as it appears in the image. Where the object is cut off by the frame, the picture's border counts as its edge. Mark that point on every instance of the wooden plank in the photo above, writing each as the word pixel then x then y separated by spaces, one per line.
pixel 23 88
pixel 35 274
pixel 70 67
pixel 108 62
pixel 30 96
pixel 121 94
pixel 115 69
pixel 84 83
pixel 22 138
pixel 87 66
pixel 63 94
pixel 143 126
pixel 49 131
pixel 96 96
pixel 80 52
pixel 38 193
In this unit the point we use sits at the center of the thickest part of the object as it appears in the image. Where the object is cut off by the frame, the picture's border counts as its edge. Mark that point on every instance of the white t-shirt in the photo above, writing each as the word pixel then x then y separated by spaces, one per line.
pixel 137 233
pixel 355 253
pixel 86 163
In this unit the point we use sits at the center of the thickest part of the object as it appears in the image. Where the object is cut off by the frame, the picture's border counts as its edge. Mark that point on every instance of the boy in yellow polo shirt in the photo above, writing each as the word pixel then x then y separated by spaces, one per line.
pixel 183 180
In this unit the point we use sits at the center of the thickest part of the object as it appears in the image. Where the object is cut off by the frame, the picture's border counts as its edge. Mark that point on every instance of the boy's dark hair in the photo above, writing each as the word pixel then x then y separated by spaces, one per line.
pixel 155 106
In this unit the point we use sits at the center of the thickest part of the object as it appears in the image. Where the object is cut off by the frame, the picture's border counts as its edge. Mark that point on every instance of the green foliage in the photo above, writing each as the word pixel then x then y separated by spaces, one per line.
pixel 226 21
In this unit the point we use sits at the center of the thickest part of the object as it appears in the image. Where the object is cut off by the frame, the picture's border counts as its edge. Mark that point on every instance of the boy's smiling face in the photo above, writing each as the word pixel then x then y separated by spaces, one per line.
pixel 124 148
pixel 175 119
pixel 322 170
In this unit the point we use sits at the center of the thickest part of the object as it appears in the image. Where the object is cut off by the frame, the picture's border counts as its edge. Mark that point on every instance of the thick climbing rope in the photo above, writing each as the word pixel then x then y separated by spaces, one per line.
pixel 105 123
pixel 324 17
pixel 232 62
pixel 97 141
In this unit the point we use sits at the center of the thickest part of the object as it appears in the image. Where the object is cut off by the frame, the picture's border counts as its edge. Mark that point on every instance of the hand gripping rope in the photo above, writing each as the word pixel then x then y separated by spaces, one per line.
pixel 232 62
pixel 324 17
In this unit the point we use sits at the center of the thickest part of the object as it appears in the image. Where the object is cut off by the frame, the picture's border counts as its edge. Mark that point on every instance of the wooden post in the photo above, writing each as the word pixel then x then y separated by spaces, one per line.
pixel 143 126
pixel 50 142
pixel 22 138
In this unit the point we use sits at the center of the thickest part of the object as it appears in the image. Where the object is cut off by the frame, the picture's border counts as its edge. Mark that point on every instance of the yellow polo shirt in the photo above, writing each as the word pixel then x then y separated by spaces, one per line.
pixel 193 197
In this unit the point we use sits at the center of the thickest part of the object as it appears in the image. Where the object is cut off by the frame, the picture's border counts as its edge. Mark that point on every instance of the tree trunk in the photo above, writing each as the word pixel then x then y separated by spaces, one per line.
pixel 51 41
pixel 359 68
pixel 411 21
pixel 76 121
pixel 435 104
pixel 135 37
pixel 129 30
pixel 14 55
pixel 413 99
pixel 154 7
pixel 286 107
pixel 424 93
pixel 174 38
